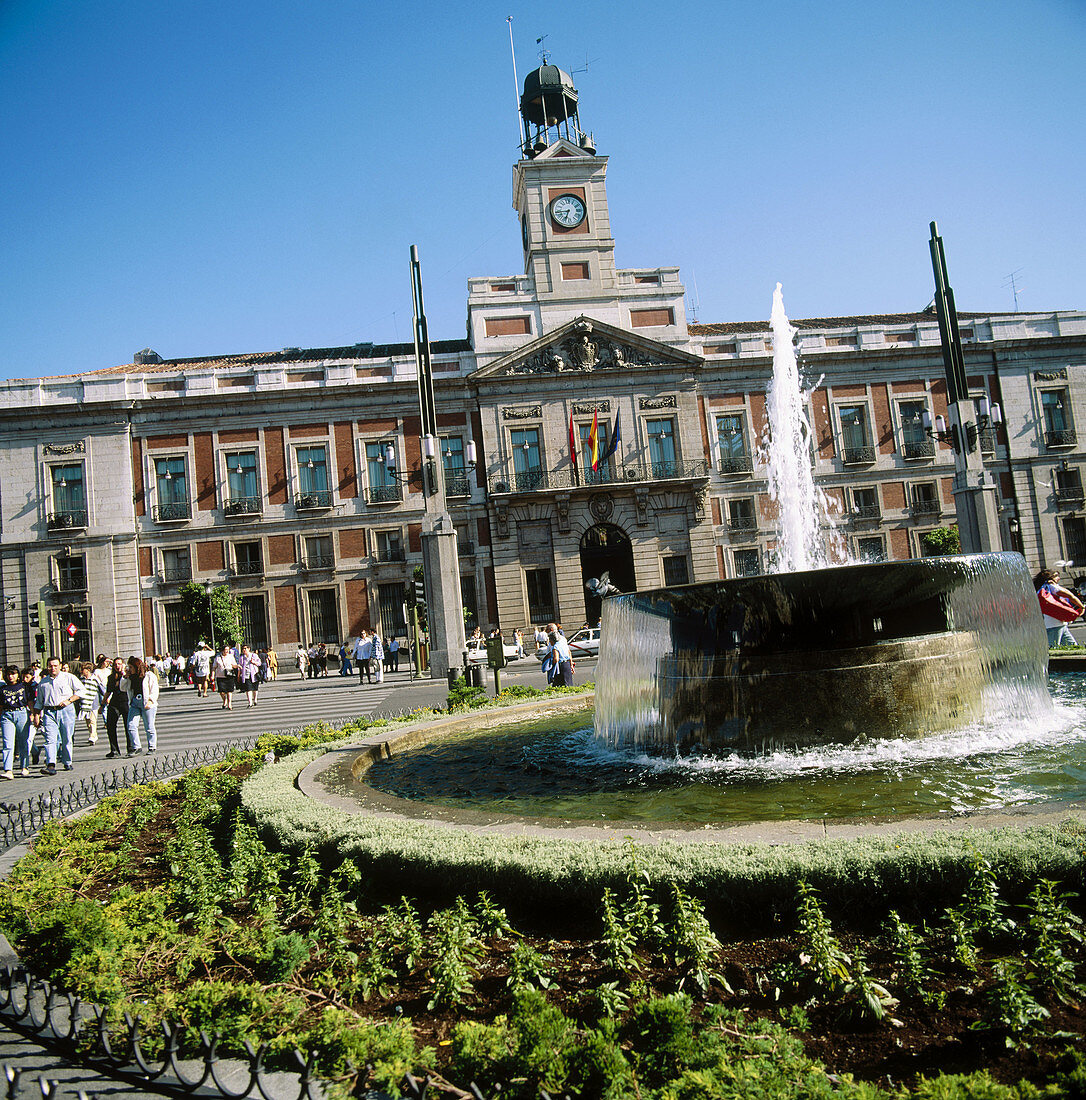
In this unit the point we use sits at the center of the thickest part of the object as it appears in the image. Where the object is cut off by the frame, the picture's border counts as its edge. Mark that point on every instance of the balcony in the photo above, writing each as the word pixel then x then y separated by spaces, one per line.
pixel 177 512
pixel 176 573
pixel 926 508
pixel 313 501
pixel 242 507
pixel 384 494
pixel 391 554
pixel 858 456
pixel 530 481
pixel 314 562
pixel 457 485
pixel 913 450
pixel 862 512
pixel 742 525
pixel 246 569
pixel 71 520
pixel 69 586
pixel 737 464
pixel 1070 496
pixel 465 549
pixel 1064 437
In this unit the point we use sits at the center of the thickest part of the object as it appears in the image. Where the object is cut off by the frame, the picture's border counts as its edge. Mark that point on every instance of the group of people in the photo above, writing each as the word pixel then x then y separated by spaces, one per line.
pixel 51 700
pixel 235 668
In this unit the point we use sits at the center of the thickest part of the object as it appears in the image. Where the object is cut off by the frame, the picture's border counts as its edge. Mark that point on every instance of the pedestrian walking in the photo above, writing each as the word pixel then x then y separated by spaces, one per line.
pixel 378 662
pixel 116 707
pixel 249 674
pixel 201 668
pixel 16 701
pixel 224 669
pixel 273 664
pixel 90 701
pixel 101 675
pixel 344 660
pixel 394 654
pixel 301 660
pixel 141 685
pixel 54 710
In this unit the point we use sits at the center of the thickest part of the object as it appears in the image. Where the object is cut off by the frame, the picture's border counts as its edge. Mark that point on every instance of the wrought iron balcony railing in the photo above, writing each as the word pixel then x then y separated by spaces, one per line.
pixel 312 562
pixel 318 498
pixel 457 485
pixel 913 449
pixel 925 508
pixel 743 524
pixel 175 512
pixel 176 573
pixel 70 520
pixel 1069 496
pixel 866 511
pixel 1065 437
pixel 68 586
pixel 247 569
pixel 858 456
pixel 529 481
pixel 392 553
pixel 384 494
pixel 736 464
pixel 242 506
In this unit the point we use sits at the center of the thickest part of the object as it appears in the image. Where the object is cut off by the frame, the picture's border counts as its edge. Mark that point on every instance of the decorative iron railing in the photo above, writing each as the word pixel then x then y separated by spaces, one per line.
pixel 866 511
pixel 392 553
pixel 913 449
pixel 177 573
pixel 529 481
pixel 1069 496
pixel 858 456
pixel 736 464
pixel 70 520
pixel 457 485
pixel 925 508
pixel 317 561
pixel 318 498
pixel 242 506
pixel 1066 437
pixel 176 512
pixel 246 569
pixel 742 524
pixel 384 494
pixel 69 586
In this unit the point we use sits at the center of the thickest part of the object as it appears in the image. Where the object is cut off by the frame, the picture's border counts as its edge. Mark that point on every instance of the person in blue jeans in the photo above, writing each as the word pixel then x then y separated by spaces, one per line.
pixel 16 699
pixel 54 709
pixel 140 684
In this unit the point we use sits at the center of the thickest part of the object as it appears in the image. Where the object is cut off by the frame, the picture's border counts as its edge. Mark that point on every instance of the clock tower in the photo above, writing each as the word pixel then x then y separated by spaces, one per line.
pixel 560 195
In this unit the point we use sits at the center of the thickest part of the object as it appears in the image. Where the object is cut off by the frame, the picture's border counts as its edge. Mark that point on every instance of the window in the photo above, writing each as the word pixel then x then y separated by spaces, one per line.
pixel 676 571
pixel 384 488
pixel 602 472
pixel 176 565
pixel 855 440
pixel 915 442
pixel 313 491
pixel 452 461
pixel 254 621
pixel 71 572
pixel 748 563
pixel 171 490
pixel 390 600
pixel 248 560
pixel 661 435
pixel 1059 431
pixel 318 552
pixel 323 615
pixel 178 636
pixel 242 490
pixel 924 499
pixel 731 434
pixel 741 515
pixel 1074 535
pixel 865 503
pixel 871 549
pixel 390 546
pixel 468 602
pixel 69 502
pixel 1068 486
pixel 75 645
pixel 465 548
pixel 527 459
pixel 540 595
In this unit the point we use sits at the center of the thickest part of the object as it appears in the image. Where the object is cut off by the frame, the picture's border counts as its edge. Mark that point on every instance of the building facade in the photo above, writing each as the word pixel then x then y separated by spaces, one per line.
pixel 271 472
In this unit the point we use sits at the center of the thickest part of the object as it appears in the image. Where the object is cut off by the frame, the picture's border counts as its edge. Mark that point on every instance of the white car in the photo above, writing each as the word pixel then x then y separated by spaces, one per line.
pixel 477 651
pixel 585 643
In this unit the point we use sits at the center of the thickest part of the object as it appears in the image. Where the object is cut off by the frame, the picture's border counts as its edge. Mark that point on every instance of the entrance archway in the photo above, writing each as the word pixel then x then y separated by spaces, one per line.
pixel 606 548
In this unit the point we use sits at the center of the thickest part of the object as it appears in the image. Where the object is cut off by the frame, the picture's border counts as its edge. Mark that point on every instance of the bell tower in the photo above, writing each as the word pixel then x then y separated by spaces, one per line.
pixel 560 195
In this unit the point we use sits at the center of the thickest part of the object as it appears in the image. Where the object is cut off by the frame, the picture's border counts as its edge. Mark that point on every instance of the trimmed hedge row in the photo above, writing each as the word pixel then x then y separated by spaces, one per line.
pixel 859 878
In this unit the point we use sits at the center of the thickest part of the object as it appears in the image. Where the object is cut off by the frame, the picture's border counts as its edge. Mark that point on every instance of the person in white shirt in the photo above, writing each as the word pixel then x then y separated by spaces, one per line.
pixel 201 668
pixel 378 662
pixel 141 685
pixel 225 670
pixel 563 660
pixel 100 675
pixel 56 693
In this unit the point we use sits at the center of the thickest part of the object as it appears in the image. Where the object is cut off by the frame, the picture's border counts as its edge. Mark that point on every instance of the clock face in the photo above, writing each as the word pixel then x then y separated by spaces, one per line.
pixel 568 211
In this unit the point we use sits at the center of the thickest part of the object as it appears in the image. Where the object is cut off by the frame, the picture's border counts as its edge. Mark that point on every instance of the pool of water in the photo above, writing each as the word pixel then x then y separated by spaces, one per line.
pixel 557 768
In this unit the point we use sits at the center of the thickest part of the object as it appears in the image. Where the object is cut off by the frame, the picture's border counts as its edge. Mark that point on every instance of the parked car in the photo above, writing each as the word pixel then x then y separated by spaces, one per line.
pixel 585 643
pixel 477 651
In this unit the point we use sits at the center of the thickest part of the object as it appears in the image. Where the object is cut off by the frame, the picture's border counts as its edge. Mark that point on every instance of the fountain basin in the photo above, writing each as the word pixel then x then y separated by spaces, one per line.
pixel 892 649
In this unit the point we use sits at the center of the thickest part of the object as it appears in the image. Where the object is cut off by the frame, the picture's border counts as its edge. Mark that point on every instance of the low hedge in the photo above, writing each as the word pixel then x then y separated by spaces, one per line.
pixel 859 879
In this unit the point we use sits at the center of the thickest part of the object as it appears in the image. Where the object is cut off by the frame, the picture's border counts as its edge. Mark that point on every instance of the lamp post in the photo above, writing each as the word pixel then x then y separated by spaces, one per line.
pixel 211 614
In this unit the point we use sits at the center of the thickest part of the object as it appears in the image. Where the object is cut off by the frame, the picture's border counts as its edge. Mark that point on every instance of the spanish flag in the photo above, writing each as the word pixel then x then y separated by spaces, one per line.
pixel 594 440
pixel 572 443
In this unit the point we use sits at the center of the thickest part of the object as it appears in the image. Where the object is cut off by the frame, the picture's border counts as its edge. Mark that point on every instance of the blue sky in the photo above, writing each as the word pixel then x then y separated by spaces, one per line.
pixel 206 178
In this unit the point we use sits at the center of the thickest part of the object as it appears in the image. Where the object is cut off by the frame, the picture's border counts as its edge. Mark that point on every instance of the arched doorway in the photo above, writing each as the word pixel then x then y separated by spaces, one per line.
pixel 606 548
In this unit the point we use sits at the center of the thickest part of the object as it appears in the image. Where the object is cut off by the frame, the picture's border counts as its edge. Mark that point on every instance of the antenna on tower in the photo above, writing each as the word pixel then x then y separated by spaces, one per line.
pixel 516 82
pixel 695 303
pixel 542 48
pixel 586 64
pixel 1012 282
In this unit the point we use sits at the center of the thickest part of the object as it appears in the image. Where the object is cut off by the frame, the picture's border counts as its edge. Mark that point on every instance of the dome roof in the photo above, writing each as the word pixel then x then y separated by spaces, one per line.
pixel 549 96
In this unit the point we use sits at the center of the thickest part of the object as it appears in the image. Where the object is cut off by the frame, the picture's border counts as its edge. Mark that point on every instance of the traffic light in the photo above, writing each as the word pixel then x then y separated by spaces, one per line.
pixel 35 614
pixel 39 642
pixel 420 590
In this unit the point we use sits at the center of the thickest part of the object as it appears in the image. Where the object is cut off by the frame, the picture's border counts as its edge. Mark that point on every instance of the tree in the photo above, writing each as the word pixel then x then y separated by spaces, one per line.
pixel 940 541
pixel 199 612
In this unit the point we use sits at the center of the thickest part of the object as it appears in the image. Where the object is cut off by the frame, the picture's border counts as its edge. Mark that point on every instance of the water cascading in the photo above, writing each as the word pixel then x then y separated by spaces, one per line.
pixel 818 653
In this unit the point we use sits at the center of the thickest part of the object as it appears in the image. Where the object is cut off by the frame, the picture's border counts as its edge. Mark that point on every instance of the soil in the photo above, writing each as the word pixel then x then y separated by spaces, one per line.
pixel 914 1040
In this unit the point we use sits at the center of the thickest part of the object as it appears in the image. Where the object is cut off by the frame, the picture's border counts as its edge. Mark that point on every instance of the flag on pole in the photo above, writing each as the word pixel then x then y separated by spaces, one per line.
pixel 594 440
pixel 612 446
pixel 572 443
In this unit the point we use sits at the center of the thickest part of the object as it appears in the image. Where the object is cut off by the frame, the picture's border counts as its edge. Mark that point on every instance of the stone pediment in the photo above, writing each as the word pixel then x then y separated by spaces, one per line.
pixel 585 346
